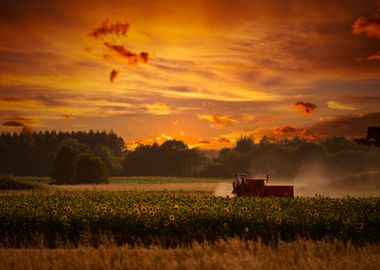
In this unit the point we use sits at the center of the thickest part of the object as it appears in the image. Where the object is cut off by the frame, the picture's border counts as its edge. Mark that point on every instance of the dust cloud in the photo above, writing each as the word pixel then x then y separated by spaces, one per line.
pixel 315 179
pixel 224 189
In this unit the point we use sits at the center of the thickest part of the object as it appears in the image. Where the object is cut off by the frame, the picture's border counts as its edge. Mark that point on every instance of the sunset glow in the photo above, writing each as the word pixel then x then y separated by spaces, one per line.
pixel 204 71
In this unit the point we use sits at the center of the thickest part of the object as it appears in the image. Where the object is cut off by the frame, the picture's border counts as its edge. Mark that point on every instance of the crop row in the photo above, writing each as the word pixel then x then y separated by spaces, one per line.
pixel 126 217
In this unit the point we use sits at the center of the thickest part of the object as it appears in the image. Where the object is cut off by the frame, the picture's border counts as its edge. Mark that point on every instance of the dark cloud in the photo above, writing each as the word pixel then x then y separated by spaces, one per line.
pixel 286 129
pixel 67 116
pixel 113 74
pixel 18 121
pixel 349 126
pixel 13 124
pixel 305 107
pixel 203 142
pixel 107 28
pixel 287 132
pixel 223 140
pixel 375 56
pixel 366 26
pixel 121 51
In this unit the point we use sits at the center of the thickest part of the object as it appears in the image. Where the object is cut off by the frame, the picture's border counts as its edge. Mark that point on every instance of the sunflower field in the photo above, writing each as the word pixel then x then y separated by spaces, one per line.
pixel 75 218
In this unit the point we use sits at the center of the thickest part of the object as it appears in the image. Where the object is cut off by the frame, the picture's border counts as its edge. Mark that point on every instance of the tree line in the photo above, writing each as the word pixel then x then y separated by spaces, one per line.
pixel 82 157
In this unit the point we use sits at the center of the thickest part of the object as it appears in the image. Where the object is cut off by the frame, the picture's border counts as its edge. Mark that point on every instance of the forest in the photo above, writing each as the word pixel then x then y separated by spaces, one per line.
pixel 77 156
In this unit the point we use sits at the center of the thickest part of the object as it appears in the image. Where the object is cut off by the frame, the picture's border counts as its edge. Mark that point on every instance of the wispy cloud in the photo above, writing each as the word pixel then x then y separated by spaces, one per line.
pixel 158 108
pixel 219 120
pixel 339 106
pixel 19 122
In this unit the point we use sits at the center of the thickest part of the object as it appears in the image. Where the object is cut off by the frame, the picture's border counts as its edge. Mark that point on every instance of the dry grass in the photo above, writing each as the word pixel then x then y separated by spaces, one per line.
pixel 232 254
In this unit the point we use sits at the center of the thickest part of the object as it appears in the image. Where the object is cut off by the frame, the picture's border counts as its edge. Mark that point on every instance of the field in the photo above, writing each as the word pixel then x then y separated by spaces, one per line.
pixel 231 254
pixel 174 223
pixel 74 218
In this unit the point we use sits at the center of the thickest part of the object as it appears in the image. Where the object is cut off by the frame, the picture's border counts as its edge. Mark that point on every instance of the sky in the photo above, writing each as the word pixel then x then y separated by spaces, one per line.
pixel 201 71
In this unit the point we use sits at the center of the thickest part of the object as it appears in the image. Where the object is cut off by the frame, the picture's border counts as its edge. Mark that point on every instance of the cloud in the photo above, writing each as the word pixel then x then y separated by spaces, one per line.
pixel 106 28
pixel 163 137
pixel 221 120
pixel 375 56
pixel 339 106
pixel 158 108
pixel 18 122
pixel 349 126
pixel 365 26
pixel 224 140
pixel 305 107
pixel 287 132
pixel 113 74
pixel 13 124
pixel 201 141
pixel 132 58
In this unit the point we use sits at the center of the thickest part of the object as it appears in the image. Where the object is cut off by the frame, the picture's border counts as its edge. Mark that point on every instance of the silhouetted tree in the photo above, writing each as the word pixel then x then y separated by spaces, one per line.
pixel 245 144
pixel 91 169
pixel 64 165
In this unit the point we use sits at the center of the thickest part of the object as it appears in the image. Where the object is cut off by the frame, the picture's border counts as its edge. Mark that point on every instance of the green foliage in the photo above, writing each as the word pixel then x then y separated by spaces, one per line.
pixel 75 163
pixel 372 138
pixel 91 169
pixel 245 144
pixel 9 182
pixel 172 158
pixel 137 218
pixel 32 154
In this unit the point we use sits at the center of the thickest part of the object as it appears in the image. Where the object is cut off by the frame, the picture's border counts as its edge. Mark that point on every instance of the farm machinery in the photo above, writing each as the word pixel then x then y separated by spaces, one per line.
pixel 244 186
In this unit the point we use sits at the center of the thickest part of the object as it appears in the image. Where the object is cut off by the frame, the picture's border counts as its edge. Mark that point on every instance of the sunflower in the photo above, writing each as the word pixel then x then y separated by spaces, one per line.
pixel 225 225
pixel 96 218
pixel 346 220
pixel 171 218
pixel 152 213
pixel 360 226
pixel 246 229
pixel 225 210
pixel 136 211
pixel 176 207
pixel 54 213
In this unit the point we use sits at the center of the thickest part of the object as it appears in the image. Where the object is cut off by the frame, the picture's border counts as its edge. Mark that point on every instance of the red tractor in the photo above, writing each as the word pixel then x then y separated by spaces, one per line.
pixel 243 186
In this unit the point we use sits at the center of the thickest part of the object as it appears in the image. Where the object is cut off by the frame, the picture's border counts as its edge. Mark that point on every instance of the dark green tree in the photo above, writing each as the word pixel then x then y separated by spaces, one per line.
pixel 64 165
pixel 91 169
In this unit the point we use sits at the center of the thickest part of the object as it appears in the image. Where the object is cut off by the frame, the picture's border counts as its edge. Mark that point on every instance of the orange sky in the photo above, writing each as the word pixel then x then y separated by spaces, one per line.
pixel 204 71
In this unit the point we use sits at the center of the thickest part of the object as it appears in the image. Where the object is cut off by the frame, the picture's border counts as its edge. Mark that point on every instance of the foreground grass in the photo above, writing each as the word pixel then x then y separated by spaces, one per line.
pixel 230 254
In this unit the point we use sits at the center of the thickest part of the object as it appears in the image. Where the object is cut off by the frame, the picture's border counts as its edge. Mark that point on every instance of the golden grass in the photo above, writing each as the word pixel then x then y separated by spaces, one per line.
pixel 231 254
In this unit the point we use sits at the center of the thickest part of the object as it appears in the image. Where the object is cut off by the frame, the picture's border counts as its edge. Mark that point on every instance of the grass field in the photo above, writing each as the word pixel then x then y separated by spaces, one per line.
pixel 231 254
